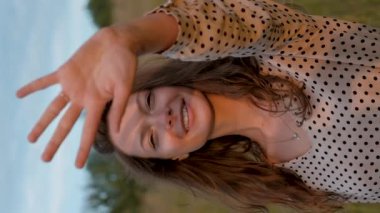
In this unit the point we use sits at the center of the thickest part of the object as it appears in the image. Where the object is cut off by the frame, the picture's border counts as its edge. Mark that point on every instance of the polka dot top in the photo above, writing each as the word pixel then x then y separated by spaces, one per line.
pixel 338 62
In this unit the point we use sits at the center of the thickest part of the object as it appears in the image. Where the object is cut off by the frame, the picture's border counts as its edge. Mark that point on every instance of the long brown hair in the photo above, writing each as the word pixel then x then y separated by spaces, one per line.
pixel 232 167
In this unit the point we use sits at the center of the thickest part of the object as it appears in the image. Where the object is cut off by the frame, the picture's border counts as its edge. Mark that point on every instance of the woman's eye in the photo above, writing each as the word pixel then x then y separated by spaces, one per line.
pixel 151 140
pixel 149 100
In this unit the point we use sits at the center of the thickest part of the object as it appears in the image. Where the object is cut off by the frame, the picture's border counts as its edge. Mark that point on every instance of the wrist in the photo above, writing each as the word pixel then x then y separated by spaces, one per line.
pixel 149 34
pixel 120 37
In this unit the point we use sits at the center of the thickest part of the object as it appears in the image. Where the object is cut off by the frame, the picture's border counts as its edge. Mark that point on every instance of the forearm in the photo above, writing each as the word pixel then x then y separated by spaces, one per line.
pixel 149 34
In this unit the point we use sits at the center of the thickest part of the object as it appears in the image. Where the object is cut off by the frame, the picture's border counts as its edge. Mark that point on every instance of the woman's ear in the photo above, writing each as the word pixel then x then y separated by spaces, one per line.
pixel 182 157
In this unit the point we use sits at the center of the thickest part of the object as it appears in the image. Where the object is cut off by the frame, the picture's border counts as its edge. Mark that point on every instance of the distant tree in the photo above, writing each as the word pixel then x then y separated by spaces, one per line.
pixel 101 12
pixel 110 190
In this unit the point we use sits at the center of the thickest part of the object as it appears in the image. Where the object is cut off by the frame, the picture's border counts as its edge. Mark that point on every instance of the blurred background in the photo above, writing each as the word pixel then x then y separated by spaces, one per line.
pixel 35 38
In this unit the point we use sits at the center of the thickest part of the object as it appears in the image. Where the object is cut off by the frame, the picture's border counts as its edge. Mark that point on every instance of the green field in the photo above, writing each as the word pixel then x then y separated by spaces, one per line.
pixel 365 11
pixel 161 198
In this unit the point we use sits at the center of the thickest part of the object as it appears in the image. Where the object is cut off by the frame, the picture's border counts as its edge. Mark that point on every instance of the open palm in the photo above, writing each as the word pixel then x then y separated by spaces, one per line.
pixel 100 71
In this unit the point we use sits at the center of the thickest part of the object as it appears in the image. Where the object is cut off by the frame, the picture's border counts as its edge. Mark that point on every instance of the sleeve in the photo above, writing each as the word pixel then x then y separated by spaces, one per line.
pixel 213 29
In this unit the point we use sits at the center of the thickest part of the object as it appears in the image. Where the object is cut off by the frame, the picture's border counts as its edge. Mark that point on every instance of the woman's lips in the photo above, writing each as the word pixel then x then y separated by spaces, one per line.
pixel 189 116
pixel 184 117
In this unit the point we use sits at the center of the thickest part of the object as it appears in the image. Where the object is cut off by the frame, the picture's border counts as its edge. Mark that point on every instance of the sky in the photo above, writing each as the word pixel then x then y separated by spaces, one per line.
pixel 36 36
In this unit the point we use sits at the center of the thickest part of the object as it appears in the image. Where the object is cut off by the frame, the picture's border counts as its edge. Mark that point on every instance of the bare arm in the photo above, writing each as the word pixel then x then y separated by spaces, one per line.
pixel 101 70
pixel 150 34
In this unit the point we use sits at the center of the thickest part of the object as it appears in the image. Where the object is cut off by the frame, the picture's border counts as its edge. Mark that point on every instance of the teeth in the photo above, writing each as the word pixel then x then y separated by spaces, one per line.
pixel 185 117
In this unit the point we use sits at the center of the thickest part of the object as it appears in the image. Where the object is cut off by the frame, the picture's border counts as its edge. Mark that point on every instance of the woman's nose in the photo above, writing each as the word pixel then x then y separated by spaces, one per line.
pixel 166 118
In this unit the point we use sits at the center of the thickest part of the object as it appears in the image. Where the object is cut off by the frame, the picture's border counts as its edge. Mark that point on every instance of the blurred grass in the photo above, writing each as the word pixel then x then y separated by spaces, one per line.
pixel 101 12
pixel 163 198
pixel 364 11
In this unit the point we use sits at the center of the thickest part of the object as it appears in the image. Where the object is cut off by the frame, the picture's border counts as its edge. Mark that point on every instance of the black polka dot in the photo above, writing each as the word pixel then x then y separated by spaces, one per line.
pixel 338 62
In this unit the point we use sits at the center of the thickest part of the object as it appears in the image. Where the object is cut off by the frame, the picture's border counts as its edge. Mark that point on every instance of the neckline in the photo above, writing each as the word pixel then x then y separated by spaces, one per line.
pixel 289 150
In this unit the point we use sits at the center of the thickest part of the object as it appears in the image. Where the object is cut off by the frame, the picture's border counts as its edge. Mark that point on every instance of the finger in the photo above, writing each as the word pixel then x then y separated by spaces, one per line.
pixel 90 128
pixel 47 117
pixel 38 84
pixel 64 127
pixel 118 106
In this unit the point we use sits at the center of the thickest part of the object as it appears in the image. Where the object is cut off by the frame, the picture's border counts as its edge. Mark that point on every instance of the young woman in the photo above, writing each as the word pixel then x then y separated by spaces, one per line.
pixel 219 128
pixel 335 62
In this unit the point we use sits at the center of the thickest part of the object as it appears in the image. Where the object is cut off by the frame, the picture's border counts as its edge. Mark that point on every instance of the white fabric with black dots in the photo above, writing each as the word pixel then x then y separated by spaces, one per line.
pixel 337 60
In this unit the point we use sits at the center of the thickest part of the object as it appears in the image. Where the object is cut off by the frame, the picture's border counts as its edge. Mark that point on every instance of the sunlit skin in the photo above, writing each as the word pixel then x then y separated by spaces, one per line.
pixel 153 124
pixel 101 70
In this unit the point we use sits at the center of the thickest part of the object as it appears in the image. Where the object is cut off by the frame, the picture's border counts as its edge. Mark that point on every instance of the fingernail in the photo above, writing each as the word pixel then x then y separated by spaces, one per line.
pixel 45 158
pixel 18 95
pixel 31 138
pixel 78 165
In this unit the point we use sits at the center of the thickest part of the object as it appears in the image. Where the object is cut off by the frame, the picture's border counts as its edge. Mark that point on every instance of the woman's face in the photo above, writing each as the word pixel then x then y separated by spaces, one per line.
pixel 165 122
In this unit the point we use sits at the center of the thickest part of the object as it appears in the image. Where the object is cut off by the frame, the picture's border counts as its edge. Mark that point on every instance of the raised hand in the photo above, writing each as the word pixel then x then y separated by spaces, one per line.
pixel 102 70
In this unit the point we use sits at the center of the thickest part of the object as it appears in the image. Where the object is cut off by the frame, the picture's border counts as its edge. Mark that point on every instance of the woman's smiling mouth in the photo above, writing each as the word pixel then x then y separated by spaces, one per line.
pixel 185 116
